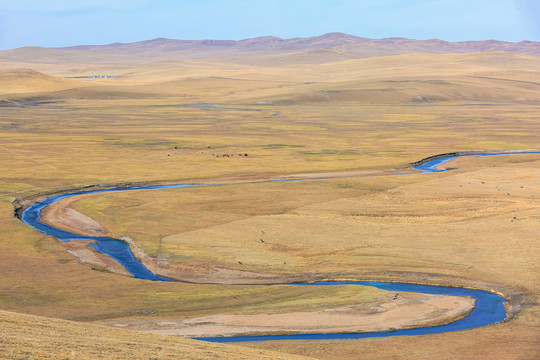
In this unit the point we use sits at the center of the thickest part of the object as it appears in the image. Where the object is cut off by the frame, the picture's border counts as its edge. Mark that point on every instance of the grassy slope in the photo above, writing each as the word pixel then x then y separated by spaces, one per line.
pixel 26 80
pixel 35 337
pixel 506 342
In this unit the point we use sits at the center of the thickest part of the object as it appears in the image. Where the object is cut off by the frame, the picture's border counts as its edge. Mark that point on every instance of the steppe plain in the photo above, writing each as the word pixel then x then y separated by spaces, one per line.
pixel 353 113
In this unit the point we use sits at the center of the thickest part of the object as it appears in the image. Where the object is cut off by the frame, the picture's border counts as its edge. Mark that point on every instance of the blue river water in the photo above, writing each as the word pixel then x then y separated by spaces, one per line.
pixel 117 249
pixel 489 306
pixel 431 166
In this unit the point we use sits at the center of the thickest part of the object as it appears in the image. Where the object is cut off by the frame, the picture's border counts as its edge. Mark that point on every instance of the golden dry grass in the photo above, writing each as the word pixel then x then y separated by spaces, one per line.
pixel 26 80
pixel 506 341
pixel 35 337
pixel 417 224
pixel 489 77
pixel 147 126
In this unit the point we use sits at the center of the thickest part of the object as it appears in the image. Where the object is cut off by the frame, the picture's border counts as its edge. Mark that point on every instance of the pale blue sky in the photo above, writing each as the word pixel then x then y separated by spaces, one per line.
pixel 76 22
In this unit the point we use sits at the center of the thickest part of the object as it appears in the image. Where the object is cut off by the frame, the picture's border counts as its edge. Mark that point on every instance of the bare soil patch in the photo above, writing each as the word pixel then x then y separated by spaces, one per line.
pixel 88 255
pixel 404 310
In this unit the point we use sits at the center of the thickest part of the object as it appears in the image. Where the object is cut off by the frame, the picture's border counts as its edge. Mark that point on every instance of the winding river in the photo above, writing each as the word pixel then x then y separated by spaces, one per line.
pixel 489 307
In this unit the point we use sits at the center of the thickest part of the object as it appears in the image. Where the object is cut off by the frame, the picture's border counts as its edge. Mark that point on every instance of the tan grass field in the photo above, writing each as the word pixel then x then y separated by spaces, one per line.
pixel 35 337
pixel 172 122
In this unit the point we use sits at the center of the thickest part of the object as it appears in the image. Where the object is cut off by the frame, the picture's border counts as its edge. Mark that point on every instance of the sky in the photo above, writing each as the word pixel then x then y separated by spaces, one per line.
pixel 56 23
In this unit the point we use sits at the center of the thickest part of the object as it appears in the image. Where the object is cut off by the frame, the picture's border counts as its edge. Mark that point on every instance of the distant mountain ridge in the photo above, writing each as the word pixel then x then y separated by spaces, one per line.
pixel 266 51
pixel 257 43
pixel 330 40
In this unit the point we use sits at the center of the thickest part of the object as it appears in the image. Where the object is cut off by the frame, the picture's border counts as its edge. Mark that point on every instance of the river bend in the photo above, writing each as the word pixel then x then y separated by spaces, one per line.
pixel 489 307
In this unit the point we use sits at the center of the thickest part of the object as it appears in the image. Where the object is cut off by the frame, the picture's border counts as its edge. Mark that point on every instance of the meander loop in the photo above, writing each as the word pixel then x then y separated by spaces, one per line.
pixel 489 307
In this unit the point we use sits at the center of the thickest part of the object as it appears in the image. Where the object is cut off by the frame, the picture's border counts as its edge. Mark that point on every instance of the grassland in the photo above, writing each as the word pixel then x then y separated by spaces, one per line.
pixel 35 337
pixel 156 124
pixel 333 225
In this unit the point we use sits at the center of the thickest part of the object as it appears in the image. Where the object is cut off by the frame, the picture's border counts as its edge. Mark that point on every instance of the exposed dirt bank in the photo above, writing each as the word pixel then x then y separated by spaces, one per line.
pixel 404 310
pixel 87 255
pixel 63 216
pixel 208 275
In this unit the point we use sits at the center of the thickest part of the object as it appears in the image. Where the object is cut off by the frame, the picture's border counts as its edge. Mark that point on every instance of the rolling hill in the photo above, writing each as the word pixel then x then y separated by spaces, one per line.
pixel 482 77
pixel 35 337
pixel 362 47
pixel 27 80
pixel 261 51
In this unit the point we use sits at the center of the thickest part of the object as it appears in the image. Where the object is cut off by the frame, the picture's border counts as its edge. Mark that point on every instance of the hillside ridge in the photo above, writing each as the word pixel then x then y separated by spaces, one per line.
pixel 329 40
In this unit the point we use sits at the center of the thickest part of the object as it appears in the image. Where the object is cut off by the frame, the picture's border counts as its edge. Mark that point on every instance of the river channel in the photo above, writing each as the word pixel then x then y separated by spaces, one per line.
pixel 489 307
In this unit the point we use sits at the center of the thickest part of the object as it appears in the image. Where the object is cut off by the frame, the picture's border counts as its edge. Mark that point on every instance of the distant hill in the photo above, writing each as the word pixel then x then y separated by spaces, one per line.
pixel 363 47
pixel 260 51
pixel 264 44
pixel 482 77
pixel 332 68
pixel 27 80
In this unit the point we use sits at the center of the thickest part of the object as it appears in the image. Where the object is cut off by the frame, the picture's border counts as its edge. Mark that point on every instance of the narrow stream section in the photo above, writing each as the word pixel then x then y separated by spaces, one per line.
pixel 489 306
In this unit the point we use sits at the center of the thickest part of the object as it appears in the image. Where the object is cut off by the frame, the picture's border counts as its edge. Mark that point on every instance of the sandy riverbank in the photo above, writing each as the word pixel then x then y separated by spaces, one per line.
pixel 404 310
